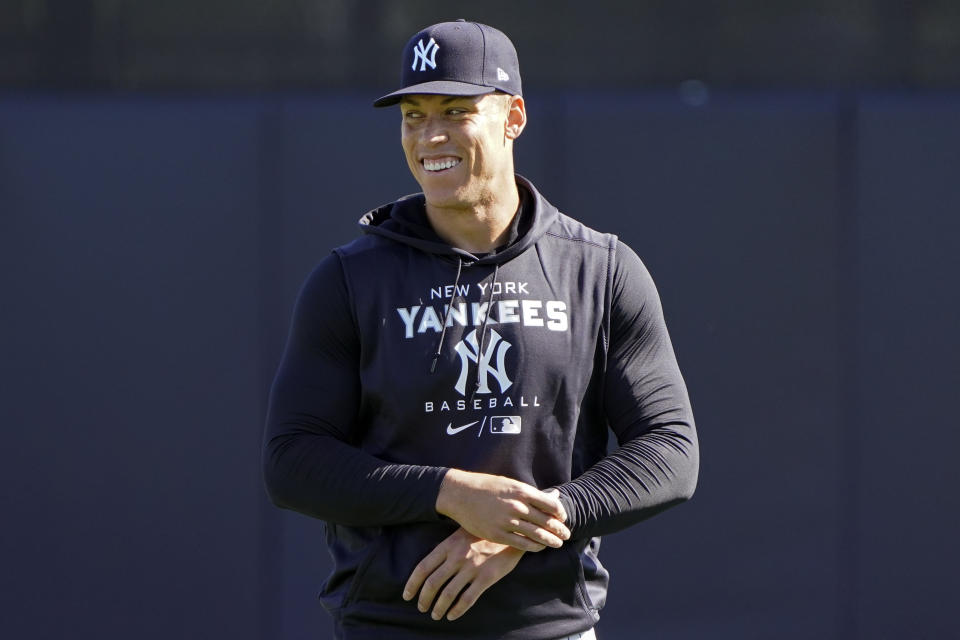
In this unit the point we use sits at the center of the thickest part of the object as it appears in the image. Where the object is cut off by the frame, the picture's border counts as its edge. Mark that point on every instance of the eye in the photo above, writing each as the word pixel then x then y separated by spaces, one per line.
pixel 456 111
pixel 412 115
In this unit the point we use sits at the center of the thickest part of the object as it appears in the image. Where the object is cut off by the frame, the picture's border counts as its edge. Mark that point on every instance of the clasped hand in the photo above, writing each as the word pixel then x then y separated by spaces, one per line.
pixel 500 519
pixel 503 510
pixel 460 569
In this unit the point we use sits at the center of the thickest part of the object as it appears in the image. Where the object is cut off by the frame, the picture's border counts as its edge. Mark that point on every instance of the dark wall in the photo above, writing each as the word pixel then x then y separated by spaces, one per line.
pixel 908 353
pixel 287 44
pixel 804 245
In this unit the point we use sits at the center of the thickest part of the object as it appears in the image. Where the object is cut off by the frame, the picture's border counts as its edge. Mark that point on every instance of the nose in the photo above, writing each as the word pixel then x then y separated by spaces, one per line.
pixel 435 131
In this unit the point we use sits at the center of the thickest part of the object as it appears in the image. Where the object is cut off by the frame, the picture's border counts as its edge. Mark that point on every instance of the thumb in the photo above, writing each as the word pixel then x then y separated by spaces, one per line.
pixel 553 491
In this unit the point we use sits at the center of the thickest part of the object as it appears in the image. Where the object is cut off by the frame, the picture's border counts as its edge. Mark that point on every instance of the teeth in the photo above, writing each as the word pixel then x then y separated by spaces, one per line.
pixel 440 165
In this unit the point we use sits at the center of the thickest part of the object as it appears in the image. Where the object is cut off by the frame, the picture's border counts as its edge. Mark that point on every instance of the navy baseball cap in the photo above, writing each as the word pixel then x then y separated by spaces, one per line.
pixel 457 59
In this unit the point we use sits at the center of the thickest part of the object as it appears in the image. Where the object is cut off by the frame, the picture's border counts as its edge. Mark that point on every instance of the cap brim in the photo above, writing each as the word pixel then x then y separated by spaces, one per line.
pixel 436 87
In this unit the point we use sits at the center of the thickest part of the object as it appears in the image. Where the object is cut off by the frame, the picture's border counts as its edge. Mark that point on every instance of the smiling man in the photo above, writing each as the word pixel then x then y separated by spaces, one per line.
pixel 450 378
pixel 460 150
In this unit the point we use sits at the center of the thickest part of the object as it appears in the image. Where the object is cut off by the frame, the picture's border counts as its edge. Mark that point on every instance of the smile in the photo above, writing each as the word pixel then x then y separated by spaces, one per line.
pixel 440 164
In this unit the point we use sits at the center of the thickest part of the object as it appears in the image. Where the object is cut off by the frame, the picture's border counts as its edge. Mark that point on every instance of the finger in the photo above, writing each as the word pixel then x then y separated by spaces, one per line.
pixel 514 540
pixel 543 520
pixel 470 595
pixel 434 583
pixel 546 502
pixel 536 533
pixel 450 593
pixel 423 569
pixel 559 529
pixel 556 494
pixel 523 543
pixel 548 523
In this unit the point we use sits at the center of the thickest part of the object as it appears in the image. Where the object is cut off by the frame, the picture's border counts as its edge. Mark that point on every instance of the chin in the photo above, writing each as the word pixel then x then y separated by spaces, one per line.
pixel 446 198
pixel 448 203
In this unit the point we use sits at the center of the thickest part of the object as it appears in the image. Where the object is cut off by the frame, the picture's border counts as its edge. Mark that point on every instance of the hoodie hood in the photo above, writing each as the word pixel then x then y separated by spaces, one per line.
pixel 405 221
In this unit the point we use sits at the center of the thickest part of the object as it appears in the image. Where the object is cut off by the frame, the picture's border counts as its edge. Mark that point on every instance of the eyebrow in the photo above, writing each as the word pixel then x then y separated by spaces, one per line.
pixel 446 100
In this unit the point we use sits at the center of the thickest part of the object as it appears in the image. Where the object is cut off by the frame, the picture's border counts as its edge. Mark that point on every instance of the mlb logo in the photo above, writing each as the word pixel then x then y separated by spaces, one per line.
pixel 505 424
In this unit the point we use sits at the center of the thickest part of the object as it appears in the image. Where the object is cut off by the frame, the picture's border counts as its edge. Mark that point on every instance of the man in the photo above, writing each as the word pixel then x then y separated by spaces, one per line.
pixel 444 398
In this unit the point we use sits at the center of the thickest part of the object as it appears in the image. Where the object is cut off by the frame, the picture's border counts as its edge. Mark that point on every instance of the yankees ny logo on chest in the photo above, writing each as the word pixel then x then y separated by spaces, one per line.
pixel 420 53
pixel 469 351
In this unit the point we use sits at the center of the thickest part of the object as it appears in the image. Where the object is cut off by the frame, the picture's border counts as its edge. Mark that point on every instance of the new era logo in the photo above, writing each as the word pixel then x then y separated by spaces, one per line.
pixel 502 75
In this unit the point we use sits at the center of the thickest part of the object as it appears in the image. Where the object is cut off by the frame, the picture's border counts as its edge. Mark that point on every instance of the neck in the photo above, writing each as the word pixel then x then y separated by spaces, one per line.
pixel 478 227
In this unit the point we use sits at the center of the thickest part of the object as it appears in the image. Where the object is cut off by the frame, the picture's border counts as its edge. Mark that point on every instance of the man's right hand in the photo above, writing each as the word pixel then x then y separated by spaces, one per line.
pixel 503 510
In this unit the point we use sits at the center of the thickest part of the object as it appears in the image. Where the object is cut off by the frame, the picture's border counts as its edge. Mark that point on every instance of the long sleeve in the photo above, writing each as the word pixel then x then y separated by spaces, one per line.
pixel 311 459
pixel 647 407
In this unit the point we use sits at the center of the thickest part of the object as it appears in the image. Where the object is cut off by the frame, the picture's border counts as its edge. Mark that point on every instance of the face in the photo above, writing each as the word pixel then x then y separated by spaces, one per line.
pixel 460 148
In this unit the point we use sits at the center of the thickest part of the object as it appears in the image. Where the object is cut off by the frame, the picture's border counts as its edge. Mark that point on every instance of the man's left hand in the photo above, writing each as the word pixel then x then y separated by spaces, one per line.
pixel 464 566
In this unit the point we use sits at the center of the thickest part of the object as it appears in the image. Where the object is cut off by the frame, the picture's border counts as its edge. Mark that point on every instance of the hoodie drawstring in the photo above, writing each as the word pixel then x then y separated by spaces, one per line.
pixel 483 327
pixel 446 319
pixel 446 316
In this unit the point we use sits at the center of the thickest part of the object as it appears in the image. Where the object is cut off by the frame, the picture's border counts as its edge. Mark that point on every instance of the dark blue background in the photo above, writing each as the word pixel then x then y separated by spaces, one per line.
pixel 804 244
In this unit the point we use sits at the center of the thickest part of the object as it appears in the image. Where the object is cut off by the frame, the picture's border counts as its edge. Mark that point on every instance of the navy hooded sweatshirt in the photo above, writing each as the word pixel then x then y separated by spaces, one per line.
pixel 407 357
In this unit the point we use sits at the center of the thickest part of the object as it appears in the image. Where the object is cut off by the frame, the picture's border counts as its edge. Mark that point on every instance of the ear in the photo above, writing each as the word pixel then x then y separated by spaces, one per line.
pixel 516 117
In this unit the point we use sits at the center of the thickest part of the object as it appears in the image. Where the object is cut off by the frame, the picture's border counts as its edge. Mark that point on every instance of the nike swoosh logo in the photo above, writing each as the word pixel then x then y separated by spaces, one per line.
pixel 452 430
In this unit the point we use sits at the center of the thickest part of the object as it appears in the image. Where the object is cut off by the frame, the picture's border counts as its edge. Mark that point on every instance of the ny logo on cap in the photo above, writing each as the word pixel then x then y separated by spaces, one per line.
pixel 420 53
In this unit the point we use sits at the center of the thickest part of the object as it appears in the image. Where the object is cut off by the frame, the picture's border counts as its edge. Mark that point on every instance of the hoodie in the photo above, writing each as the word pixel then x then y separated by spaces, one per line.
pixel 407 357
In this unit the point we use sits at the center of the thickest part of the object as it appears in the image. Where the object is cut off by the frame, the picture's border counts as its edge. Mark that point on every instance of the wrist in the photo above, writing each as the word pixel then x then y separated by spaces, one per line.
pixel 446 495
